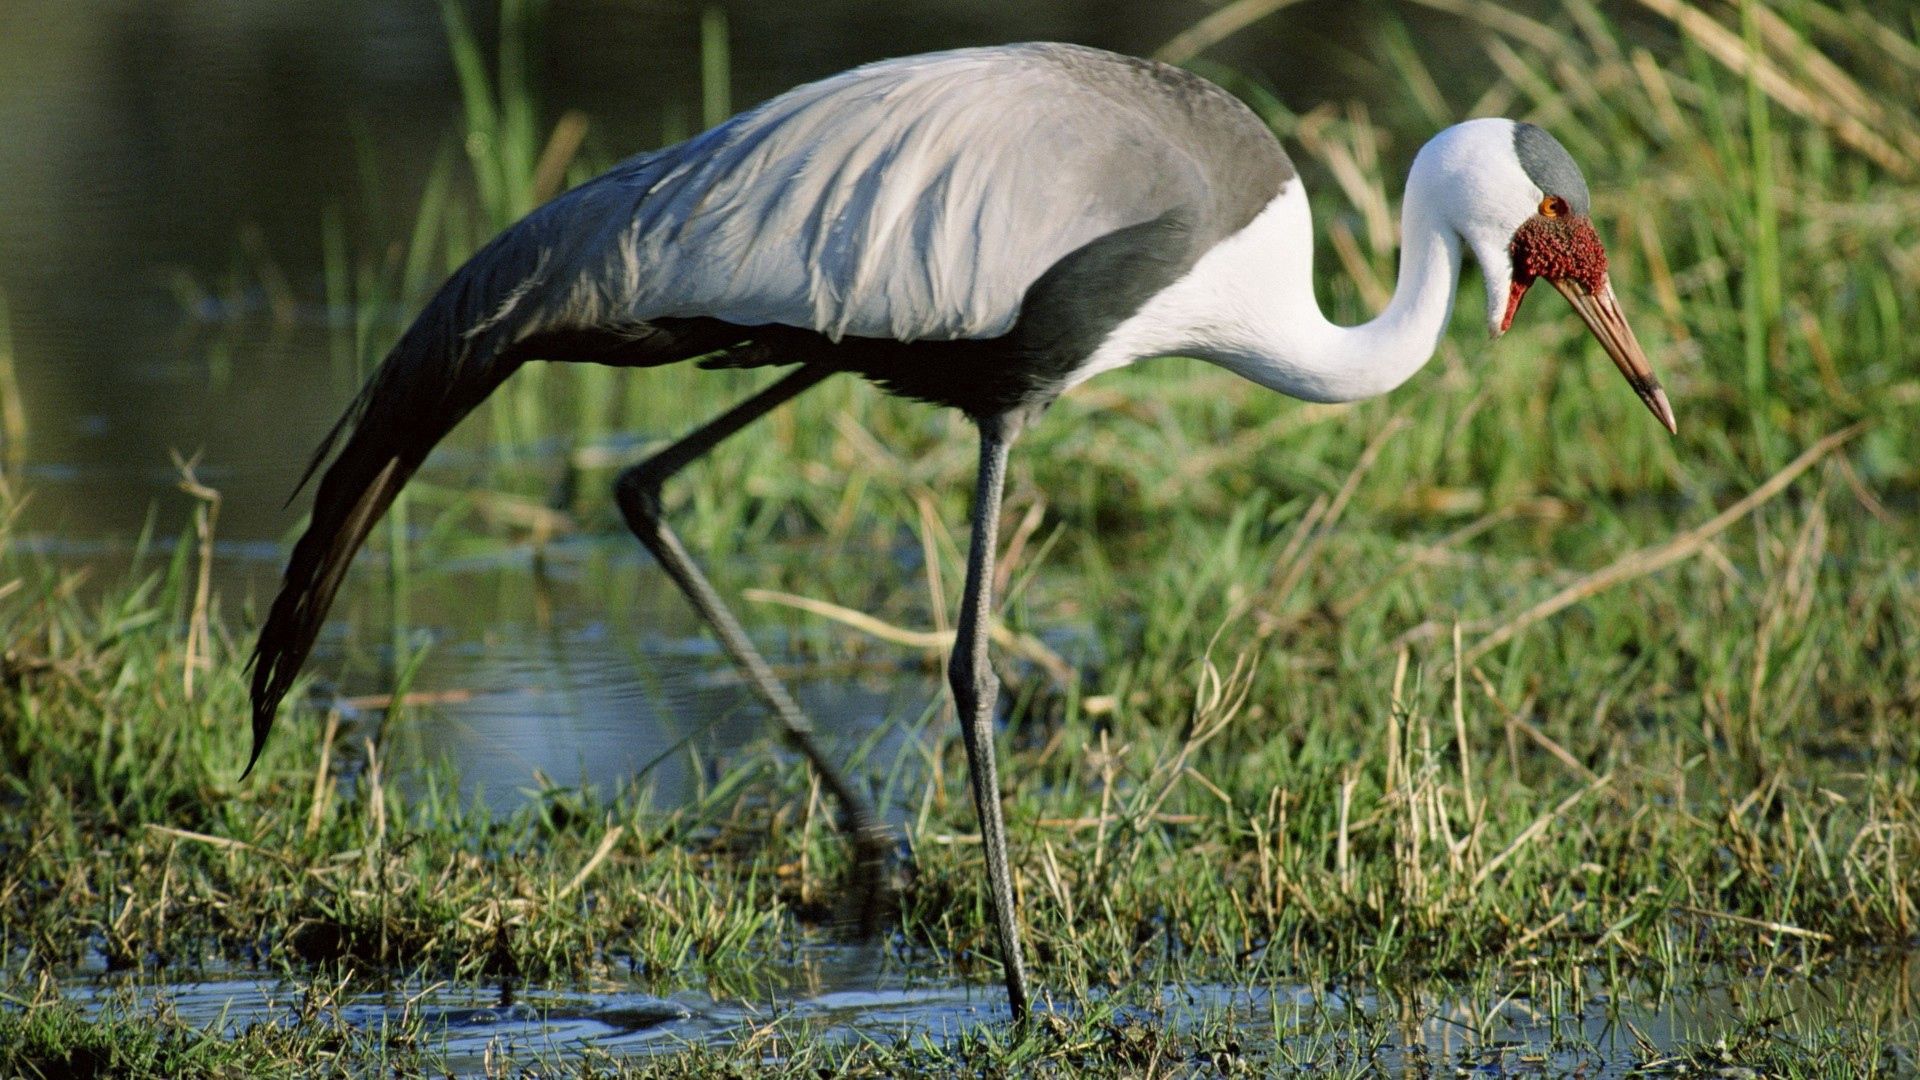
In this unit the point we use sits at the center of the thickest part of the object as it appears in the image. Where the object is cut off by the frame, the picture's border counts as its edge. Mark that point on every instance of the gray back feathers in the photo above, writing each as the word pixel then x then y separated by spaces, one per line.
pixel 909 199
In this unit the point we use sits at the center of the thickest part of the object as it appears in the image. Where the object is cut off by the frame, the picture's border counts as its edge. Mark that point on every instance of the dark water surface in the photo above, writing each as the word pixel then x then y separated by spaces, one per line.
pixel 865 996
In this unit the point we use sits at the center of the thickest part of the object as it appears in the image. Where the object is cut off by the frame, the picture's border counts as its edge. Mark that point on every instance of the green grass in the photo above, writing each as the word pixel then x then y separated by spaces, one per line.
pixel 1319 740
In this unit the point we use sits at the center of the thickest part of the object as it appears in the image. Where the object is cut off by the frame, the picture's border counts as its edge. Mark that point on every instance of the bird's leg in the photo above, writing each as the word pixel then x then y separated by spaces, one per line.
pixel 976 690
pixel 638 493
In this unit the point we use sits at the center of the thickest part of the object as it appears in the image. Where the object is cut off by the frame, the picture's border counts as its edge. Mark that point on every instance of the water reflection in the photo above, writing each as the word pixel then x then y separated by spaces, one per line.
pixel 1611 1030
pixel 592 671
pixel 586 707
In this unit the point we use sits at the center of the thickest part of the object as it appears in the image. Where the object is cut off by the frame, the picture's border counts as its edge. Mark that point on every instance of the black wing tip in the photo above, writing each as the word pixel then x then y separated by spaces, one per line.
pixel 266 698
pixel 264 706
pixel 253 758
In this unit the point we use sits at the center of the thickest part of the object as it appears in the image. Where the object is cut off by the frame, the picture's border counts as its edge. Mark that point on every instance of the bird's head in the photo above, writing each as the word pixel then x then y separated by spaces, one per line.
pixel 1514 195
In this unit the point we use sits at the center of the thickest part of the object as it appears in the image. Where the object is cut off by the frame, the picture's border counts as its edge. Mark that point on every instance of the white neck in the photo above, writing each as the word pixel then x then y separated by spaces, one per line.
pixel 1248 305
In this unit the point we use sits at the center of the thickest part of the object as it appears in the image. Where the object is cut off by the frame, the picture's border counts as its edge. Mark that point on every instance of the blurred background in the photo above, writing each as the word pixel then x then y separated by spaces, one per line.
pixel 153 150
pixel 203 212
pixel 168 172
pixel 215 215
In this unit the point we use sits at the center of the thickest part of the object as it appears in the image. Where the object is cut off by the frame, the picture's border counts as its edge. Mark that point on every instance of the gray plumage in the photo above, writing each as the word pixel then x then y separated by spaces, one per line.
pixel 961 227
pixel 1029 195
pixel 912 199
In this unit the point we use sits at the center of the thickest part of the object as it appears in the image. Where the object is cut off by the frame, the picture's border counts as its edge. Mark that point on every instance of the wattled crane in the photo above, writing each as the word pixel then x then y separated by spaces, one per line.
pixel 982 229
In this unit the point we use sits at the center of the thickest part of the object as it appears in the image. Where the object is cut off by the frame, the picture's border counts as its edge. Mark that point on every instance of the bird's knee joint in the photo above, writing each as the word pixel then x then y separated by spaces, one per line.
pixel 972 684
pixel 638 492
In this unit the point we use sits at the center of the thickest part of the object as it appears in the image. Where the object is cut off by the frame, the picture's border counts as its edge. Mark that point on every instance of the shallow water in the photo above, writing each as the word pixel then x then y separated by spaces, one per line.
pixel 847 993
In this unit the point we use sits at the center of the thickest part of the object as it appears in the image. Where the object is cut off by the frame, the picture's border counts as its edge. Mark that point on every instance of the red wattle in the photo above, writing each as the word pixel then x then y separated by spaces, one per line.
pixel 1559 249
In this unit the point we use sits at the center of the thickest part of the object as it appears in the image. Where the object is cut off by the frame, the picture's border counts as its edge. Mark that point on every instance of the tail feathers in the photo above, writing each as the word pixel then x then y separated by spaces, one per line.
pixel 454 355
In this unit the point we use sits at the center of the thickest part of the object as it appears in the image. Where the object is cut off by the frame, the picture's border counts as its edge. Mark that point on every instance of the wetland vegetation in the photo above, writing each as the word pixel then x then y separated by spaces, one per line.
pixel 1484 726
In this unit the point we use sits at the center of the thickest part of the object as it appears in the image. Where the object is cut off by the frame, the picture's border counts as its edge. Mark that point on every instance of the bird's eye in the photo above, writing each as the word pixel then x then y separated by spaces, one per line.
pixel 1553 206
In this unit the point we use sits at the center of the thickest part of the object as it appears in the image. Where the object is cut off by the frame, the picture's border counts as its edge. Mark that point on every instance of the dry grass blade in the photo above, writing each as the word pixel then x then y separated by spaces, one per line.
pixel 1520 944
pixel 1726 47
pixel 412 699
pixel 1497 18
pixel 226 842
pixel 1348 148
pixel 323 776
pixel 1764 924
pixel 1533 831
pixel 1836 84
pixel 931 531
pixel 1217 27
pixel 1857 24
pixel 1651 560
pixel 13 410
pixel 1374 291
pixel 599 856
pixel 550 174
pixel 205 514
pixel 1024 645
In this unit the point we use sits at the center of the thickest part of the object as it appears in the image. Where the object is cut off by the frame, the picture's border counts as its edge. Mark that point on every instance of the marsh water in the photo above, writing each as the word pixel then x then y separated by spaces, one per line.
pixel 164 173
pixel 1311 1030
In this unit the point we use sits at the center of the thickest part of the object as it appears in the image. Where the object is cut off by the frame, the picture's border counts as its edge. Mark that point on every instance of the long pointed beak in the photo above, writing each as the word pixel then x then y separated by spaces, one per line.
pixel 1601 312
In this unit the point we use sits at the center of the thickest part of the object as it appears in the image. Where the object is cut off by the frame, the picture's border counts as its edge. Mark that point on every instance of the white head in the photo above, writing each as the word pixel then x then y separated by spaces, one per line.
pixel 1513 195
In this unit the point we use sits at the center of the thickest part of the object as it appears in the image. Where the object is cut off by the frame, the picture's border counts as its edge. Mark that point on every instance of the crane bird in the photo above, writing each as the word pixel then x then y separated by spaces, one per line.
pixel 981 228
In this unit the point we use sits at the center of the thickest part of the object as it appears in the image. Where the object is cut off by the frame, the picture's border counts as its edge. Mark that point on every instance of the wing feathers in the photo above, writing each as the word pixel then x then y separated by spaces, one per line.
pixel 910 199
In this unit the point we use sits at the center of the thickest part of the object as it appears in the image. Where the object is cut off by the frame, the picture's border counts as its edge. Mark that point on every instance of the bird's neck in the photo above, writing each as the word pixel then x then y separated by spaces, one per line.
pixel 1248 305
